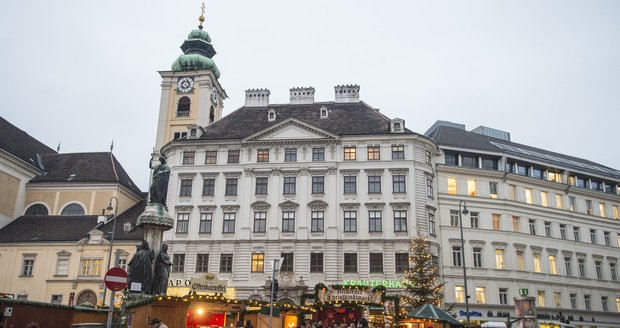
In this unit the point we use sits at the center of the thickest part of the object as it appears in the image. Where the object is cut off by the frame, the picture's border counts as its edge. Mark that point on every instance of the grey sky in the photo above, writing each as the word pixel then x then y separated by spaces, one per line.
pixel 85 72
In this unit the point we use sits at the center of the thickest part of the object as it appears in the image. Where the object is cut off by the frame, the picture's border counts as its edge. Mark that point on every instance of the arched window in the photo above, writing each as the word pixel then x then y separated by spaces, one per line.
pixel 73 209
pixel 37 209
pixel 183 107
pixel 87 296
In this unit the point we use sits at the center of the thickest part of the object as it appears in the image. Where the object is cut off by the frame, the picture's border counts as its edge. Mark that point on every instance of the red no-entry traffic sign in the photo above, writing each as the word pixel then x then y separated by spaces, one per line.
pixel 116 279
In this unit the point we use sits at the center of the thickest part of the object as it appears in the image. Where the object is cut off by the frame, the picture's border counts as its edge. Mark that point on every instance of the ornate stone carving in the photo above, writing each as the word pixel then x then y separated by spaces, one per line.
pixel 288 205
pixel 372 172
pixel 374 206
pixel 317 205
pixel 350 206
pixel 230 208
pixel 400 205
pixel 260 206
pixel 207 208
pixel 349 172
pixel 184 208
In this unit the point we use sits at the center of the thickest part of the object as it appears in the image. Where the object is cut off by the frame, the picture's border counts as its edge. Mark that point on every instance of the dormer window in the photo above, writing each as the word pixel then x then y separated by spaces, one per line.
pixel 127 227
pixel 397 125
pixel 192 132
pixel 324 112
pixel 271 115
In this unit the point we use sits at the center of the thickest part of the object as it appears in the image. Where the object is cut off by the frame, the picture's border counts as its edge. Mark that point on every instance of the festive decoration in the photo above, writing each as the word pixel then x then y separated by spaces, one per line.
pixel 421 278
pixel 378 295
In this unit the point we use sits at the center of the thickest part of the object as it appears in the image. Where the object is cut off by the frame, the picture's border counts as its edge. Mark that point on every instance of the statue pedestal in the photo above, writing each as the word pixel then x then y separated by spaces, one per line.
pixel 155 220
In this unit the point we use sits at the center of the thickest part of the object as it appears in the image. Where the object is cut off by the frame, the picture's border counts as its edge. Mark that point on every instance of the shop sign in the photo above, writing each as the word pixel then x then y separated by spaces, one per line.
pixel 374 283
pixel 209 283
pixel 330 294
pixel 471 314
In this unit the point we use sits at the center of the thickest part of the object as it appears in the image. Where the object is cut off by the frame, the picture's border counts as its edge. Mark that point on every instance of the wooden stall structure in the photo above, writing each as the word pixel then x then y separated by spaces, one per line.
pixel 48 315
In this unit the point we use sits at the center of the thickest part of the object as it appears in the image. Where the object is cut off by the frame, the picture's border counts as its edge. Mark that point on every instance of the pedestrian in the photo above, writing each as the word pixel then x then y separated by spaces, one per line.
pixel 248 324
pixel 156 323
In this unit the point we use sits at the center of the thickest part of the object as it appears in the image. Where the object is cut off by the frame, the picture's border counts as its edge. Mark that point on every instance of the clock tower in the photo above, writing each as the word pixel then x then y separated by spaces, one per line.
pixel 191 95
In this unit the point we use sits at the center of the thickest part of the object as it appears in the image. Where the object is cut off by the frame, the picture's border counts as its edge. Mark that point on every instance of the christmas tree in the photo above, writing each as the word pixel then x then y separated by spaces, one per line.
pixel 421 279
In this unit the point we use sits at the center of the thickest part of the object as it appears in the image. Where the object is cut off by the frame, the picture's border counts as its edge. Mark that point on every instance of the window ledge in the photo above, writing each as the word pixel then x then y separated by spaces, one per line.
pixel 61 275
pixel 25 276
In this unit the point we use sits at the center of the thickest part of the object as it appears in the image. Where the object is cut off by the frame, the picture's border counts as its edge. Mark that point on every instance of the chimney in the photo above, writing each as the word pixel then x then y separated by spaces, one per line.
pixel 257 97
pixel 347 93
pixel 302 95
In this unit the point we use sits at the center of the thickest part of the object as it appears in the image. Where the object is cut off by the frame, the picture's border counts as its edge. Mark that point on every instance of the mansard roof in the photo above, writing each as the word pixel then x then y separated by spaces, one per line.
pixel 446 136
pixel 344 119
pixel 101 167
pixel 21 145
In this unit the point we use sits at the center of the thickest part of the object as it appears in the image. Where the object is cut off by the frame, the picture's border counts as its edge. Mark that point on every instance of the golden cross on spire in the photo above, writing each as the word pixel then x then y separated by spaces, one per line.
pixel 202 15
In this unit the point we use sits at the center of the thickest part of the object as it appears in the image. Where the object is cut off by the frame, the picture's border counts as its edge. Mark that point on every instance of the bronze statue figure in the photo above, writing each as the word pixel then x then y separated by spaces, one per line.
pixel 162 271
pixel 159 185
pixel 140 267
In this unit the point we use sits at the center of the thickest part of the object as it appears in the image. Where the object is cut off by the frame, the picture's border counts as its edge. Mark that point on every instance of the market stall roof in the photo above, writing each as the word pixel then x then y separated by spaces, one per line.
pixel 493 324
pixel 429 311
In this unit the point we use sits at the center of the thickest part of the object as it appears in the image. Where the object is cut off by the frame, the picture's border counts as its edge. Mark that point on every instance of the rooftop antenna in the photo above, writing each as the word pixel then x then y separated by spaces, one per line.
pixel 112 145
pixel 58 147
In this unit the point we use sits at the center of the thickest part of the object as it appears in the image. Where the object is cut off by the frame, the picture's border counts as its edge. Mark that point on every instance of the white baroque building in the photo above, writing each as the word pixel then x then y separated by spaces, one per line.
pixel 335 188
pixel 538 220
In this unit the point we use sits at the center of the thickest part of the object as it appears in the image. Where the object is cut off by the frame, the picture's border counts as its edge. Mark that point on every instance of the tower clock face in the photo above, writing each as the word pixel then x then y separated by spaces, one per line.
pixel 214 95
pixel 185 84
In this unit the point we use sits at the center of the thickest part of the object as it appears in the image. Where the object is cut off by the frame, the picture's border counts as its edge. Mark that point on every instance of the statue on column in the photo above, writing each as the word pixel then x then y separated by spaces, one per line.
pixel 159 185
pixel 162 271
pixel 141 267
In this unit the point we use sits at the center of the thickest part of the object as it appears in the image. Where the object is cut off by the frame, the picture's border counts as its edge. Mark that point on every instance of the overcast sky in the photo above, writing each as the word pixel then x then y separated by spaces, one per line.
pixel 85 72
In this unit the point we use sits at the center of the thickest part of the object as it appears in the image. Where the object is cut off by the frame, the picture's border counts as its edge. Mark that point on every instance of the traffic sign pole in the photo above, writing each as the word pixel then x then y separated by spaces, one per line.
pixel 115 280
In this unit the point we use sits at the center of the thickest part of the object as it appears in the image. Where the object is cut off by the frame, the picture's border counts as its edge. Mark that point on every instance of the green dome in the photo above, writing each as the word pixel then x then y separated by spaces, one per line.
pixel 199 34
pixel 195 62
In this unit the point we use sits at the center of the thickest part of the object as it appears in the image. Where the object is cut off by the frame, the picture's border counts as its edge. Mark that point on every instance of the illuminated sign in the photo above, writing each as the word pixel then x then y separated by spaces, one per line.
pixel 331 294
pixel 375 283
pixel 471 314
pixel 208 283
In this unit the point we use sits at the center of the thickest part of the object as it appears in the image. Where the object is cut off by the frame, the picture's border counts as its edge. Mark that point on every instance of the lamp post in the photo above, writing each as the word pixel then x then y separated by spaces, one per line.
pixel 111 306
pixel 464 212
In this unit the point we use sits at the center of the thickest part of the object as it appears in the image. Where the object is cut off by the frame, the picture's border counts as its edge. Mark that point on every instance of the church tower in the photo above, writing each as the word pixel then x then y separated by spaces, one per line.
pixel 191 95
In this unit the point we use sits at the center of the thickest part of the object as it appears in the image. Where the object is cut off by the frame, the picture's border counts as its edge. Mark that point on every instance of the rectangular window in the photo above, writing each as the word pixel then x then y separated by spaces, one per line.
pixel 573 301
pixel 290 155
pixel 471 187
pixel 503 296
pixel 226 263
pixel 231 187
pixel 492 189
pixel 402 262
pixel 581 263
pixel 615 212
pixel 398 152
pixel 376 262
pixel 617 304
pixel 586 302
pixel 607 237
pixel 374 221
pixel 520 261
pixel 178 262
pixel 350 184
pixel 568 266
pixel 456 256
pixel 598 269
pixel 499 259
pixel 559 203
pixel 211 157
pixel 258 262
pixel 512 192
pixel 28 266
pixel 350 262
pixel 349 153
pixel 89 267
pixel 454 218
pixel 452 186
pixel 431 224
pixel 516 224
pixel 317 218
pixel 593 236
pixel 589 209
pixel 430 193
pixel 489 164
pixel 188 157
pixel 602 210
pixel 477 252
pixel 290 184
pixel 316 262
pixel 182 222
pixel 554 176
pixel 541 298
pixel 481 295
pixel 604 303
pixel 202 262
pixel 186 188
pixel 260 222
pixel 62 266
pixel 563 231
pixel 229 222
pixel 428 157
pixel 544 198
pixel 318 154
pixel 459 294
pixel 208 187
pixel 374 153
pixel 553 266
pixel 398 184
pixel 548 229
pixel 318 184
pixel 528 195
pixel 497 224
pixel 532 224
pixel 612 271
pixel 206 222
pixel 576 233
pixel 469 161
pixel 262 155
pixel 262 186
pixel 400 221
pixel 572 203
pixel 474 219
pixel 56 299
pixel 374 184
pixel 287 262
pixel 350 221
pixel 288 221
pixel 233 156
pixel 537 263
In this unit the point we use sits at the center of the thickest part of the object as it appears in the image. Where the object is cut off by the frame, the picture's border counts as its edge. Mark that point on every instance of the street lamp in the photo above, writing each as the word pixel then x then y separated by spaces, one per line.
pixel 109 208
pixel 464 212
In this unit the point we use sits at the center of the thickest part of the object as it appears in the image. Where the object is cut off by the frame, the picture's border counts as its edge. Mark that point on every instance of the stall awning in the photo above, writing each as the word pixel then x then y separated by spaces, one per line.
pixel 429 311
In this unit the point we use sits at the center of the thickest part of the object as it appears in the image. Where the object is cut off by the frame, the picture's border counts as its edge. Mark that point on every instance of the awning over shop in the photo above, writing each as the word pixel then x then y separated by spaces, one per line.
pixel 431 312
